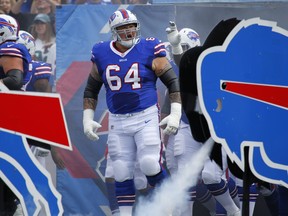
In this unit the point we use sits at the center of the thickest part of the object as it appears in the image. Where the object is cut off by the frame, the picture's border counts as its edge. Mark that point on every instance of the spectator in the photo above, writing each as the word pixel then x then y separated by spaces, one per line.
pixel 45 45
pixel 102 2
pixel 44 6
pixel 137 1
pixel 13 8
pixel 6 5
pixel 22 6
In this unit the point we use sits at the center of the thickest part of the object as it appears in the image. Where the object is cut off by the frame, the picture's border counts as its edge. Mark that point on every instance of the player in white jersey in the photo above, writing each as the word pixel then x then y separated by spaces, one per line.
pixel 129 67
pixel 182 146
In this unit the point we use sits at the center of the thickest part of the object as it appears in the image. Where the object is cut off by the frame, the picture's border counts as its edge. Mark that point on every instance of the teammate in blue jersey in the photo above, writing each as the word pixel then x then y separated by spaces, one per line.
pixel 14 63
pixel 129 67
pixel 38 76
pixel 14 58
pixel 37 79
pixel 183 146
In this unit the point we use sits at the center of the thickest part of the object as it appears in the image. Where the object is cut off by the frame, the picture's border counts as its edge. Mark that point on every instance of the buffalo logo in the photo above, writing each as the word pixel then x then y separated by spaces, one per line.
pixel 243 94
pixel 10 26
pixel 193 36
pixel 27 37
pixel 112 17
pixel 18 167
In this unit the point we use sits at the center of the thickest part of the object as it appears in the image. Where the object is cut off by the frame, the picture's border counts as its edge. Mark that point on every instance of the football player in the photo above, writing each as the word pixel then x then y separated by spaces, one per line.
pixel 183 145
pixel 129 71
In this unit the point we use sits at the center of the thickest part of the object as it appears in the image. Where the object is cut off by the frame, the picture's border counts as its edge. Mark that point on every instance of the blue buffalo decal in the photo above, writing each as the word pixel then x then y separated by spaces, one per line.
pixel 243 94
pixel 19 168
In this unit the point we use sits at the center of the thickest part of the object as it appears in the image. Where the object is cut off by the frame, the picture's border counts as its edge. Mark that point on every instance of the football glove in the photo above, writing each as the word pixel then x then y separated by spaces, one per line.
pixel 174 38
pixel 173 119
pixel 90 126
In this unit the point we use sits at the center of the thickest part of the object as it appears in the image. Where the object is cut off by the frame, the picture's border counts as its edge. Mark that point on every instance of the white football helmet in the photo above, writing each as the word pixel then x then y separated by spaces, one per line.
pixel 8 28
pixel 120 18
pixel 189 38
pixel 27 40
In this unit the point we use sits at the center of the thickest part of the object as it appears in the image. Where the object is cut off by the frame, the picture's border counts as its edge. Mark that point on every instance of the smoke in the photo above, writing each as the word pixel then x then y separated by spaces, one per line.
pixel 172 193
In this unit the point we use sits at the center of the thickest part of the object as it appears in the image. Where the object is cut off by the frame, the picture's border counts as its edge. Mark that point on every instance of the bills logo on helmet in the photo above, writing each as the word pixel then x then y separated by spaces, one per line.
pixel 193 36
pixel 243 88
pixel 124 13
pixel 112 17
pixel 4 23
pixel 26 37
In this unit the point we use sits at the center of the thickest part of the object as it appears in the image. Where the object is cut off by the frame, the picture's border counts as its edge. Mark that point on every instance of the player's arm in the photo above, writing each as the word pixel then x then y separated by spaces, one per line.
pixel 90 99
pixel 165 72
pixel 165 110
pixel 92 89
pixel 13 68
pixel 60 163
pixel 42 85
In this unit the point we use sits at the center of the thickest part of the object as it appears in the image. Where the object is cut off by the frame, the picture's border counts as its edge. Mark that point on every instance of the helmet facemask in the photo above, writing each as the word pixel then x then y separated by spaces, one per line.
pixel 130 36
pixel 185 46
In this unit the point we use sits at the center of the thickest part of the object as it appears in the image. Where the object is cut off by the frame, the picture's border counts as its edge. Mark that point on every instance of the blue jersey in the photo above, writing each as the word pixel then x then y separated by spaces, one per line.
pixel 14 49
pixel 38 70
pixel 128 77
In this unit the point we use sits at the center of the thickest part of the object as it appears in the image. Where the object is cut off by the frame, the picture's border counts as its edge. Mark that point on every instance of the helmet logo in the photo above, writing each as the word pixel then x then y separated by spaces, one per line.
pixel 26 37
pixel 4 23
pixel 124 13
pixel 193 36
pixel 113 16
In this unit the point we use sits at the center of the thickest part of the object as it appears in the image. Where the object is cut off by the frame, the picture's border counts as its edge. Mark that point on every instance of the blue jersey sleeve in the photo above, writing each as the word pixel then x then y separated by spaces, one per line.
pixel 38 70
pixel 16 50
pixel 159 48
pixel 41 70
pixel 97 50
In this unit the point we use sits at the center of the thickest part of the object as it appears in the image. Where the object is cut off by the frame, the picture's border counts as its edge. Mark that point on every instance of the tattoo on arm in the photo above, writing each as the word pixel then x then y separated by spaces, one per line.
pixel 175 97
pixel 89 103
pixel 163 70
